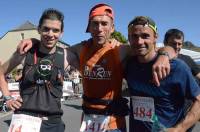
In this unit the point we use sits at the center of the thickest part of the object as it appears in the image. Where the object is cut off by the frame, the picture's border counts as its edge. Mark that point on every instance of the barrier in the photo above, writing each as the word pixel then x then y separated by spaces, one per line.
pixel 67 88
pixel 14 89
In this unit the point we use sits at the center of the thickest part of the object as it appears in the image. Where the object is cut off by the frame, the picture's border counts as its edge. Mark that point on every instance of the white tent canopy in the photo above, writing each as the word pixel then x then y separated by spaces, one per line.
pixel 193 54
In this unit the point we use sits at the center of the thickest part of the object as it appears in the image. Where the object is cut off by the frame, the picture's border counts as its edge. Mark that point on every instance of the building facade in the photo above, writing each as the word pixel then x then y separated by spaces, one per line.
pixel 10 40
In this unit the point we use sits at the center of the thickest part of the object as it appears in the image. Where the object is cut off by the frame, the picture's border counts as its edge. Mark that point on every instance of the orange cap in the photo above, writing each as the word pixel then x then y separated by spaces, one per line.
pixel 101 9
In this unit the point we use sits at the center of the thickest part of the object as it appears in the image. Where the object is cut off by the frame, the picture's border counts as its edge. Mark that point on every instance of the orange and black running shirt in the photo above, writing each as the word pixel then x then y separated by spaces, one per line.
pixel 102 77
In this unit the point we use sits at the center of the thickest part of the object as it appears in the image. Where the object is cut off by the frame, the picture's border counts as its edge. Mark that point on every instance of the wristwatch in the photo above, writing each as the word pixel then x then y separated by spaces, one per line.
pixel 7 97
pixel 164 53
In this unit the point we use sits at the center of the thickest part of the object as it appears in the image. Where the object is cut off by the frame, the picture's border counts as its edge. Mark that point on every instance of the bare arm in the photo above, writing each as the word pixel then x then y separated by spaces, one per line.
pixel 15 60
pixel 71 59
pixel 25 45
pixel 191 118
pixel 3 83
pixel 76 49
pixel 161 67
pixel 74 55
pixel 169 50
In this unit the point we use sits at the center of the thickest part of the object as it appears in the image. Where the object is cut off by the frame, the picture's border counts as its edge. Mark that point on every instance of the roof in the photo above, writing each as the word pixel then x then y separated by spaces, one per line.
pixel 61 41
pixel 26 26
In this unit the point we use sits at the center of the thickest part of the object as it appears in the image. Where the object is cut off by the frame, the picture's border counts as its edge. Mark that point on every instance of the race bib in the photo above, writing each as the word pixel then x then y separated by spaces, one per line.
pixel 94 123
pixel 24 123
pixel 143 108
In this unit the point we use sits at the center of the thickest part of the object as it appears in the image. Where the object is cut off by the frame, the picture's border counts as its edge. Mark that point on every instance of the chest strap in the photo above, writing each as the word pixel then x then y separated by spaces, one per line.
pixel 118 107
pixel 96 101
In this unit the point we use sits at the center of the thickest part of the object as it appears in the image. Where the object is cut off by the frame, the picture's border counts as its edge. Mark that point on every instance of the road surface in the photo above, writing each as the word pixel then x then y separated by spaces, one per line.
pixel 71 117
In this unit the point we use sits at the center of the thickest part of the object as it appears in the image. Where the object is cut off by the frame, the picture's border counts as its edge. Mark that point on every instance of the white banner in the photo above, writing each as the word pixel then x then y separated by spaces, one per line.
pixel 14 89
pixel 13 86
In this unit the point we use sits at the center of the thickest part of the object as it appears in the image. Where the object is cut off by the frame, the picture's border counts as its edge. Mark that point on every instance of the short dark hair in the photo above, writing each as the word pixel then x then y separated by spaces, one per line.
pixel 173 32
pixel 52 14
pixel 143 20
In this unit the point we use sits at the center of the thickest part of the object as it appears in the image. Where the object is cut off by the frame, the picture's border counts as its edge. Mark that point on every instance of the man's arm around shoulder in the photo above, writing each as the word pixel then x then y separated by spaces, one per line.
pixel 14 61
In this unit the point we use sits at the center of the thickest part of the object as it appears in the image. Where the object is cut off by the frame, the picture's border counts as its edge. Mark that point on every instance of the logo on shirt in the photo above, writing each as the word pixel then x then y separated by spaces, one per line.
pixel 98 72
pixel 45 67
pixel 44 71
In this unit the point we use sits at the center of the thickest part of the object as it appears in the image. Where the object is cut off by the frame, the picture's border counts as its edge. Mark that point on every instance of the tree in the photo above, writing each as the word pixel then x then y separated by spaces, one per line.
pixel 119 37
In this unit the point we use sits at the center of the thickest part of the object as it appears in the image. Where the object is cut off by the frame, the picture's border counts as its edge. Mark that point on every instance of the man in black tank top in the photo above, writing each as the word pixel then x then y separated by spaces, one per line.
pixel 41 82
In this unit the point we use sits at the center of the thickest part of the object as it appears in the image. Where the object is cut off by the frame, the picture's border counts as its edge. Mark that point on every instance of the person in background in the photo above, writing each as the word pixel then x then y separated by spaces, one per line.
pixel 175 39
pixel 18 75
pixel 76 81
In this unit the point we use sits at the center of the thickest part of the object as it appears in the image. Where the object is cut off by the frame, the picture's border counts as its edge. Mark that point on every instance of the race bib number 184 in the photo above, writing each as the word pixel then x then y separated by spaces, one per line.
pixel 143 108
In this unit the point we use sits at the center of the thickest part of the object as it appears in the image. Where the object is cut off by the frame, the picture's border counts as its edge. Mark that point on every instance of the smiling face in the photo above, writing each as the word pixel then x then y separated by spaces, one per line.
pixel 101 28
pixel 50 31
pixel 176 43
pixel 142 41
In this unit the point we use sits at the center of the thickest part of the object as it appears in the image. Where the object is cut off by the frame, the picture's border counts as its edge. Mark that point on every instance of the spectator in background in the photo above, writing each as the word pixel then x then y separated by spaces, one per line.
pixel 18 75
pixel 73 76
pixel 175 39
pixel 76 81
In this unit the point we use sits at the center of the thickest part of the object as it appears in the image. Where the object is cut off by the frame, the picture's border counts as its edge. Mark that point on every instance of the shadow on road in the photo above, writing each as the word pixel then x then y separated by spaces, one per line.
pixel 78 107
pixel 7 122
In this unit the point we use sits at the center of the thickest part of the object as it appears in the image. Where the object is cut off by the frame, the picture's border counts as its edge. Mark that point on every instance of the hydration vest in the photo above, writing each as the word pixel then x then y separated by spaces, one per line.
pixel 42 82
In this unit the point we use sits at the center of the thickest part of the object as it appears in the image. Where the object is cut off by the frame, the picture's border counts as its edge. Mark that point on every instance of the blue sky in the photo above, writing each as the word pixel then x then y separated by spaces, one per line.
pixel 182 14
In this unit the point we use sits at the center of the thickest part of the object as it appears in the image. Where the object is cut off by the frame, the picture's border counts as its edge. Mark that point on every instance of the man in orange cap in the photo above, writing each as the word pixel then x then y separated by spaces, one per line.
pixel 101 66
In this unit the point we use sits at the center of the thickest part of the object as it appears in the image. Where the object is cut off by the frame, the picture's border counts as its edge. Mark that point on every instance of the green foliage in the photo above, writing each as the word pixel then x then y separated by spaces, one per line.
pixel 119 37
pixel 14 72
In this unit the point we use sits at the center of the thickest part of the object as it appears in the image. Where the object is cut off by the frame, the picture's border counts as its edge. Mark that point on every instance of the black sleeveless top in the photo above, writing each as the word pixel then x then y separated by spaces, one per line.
pixel 42 82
